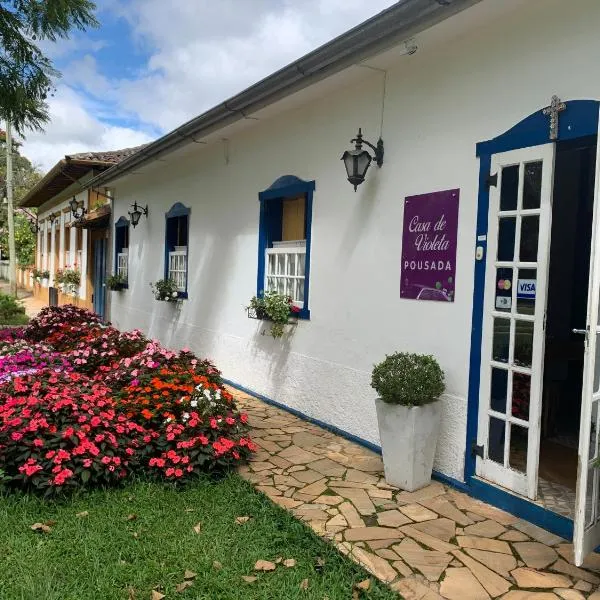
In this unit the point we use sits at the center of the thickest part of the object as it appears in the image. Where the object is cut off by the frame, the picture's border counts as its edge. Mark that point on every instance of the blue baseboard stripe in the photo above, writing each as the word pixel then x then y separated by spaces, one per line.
pixel 520 507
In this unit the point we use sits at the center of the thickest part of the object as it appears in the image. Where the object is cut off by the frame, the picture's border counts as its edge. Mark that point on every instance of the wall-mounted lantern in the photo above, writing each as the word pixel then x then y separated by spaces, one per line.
pixel 357 161
pixel 77 208
pixel 136 214
pixel 34 226
pixel 53 217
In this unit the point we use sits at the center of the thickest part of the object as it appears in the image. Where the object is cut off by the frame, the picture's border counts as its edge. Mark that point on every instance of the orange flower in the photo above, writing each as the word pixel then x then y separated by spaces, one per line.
pixel 147 414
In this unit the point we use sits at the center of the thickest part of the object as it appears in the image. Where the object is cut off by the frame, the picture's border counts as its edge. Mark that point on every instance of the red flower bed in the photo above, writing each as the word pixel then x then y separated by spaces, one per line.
pixel 133 406
pixel 63 430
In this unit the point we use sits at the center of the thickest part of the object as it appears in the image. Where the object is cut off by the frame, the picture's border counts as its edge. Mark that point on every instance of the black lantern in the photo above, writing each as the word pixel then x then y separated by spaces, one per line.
pixel 77 208
pixel 357 161
pixel 53 217
pixel 33 225
pixel 136 214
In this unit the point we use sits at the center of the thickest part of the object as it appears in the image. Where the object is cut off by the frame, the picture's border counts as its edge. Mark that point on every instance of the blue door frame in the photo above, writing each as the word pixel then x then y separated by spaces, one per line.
pixel 580 119
pixel 99 277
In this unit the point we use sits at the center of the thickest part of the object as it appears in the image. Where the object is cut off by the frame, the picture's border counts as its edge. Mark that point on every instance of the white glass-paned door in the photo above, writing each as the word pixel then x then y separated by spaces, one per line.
pixel 586 535
pixel 512 354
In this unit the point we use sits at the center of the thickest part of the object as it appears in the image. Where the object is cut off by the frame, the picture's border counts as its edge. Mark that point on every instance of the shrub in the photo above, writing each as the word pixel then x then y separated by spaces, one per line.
pixel 408 379
pixel 38 274
pixel 53 319
pixel 62 431
pixel 12 311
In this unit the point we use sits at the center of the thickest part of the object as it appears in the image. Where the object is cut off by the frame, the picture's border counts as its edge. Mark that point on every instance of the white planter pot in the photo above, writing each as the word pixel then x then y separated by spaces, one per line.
pixel 408 440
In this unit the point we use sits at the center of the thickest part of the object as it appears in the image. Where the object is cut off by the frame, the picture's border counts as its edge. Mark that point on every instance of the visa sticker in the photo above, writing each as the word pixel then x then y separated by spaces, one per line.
pixel 526 289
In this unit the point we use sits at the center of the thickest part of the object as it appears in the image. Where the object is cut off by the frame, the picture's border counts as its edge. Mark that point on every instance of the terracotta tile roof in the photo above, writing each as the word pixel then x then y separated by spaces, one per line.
pixel 110 156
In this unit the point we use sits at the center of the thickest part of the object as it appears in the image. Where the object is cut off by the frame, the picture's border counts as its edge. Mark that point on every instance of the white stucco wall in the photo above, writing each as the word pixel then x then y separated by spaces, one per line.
pixel 439 104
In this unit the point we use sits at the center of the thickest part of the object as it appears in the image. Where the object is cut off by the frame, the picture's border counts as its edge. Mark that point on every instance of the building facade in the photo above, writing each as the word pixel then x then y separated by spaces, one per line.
pixel 256 198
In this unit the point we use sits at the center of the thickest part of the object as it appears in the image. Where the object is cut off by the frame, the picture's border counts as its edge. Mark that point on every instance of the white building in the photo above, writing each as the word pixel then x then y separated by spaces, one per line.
pixel 458 92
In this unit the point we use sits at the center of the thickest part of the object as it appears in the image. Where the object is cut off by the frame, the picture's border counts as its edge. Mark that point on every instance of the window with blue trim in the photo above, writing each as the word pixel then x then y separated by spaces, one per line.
pixel 284 240
pixel 122 248
pixel 176 247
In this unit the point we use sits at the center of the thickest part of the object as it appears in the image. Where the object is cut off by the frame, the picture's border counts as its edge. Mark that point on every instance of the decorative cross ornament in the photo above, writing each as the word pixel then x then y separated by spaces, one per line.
pixel 556 107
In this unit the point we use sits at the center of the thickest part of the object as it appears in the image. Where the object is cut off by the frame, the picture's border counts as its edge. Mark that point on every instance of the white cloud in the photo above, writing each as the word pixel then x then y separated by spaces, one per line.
pixel 200 52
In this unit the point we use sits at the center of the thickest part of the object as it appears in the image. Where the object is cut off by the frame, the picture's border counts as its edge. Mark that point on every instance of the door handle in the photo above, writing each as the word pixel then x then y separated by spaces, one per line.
pixel 580 331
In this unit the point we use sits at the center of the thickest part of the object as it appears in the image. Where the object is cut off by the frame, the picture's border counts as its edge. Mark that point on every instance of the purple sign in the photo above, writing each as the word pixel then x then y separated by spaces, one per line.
pixel 429 246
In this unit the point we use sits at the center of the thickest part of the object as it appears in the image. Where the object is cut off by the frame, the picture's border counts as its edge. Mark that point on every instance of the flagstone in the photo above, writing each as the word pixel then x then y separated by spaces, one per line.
pixel 530 578
pixel 537 533
pixel 465 502
pixel 336 524
pixel 307 476
pixel 392 518
pixel 295 468
pixel 569 594
pixel 535 555
pixel 461 584
pixel 351 484
pixel 387 554
pixel 269 446
pixel 315 489
pixel 446 509
pixel 257 467
pixel 514 536
pixel 325 466
pixel 595 596
pixel 411 588
pixel 287 480
pixel 488 529
pixel 524 595
pixel 364 534
pixel 330 500
pixel 298 455
pixel 427 540
pixel 361 477
pixel 443 529
pixel 379 544
pixel 380 494
pixel 376 565
pixel 418 513
pixel 402 568
pixel 370 464
pixel 429 562
pixel 286 502
pixel 307 514
pixel 478 543
pixel 383 503
pixel 494 584
pixel 289 493
pixel 269 490
pixel 359 498
pixel 583 586
pixel 430 491
pixel 592 560
pixel 340 458
pixel 351 515
pixel 305 439
pixel 500 563
pixel 562 566
pixel 304 497
pixel 474 516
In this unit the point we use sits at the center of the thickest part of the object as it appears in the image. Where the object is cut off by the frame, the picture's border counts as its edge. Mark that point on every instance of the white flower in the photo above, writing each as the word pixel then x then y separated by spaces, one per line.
pixel 174 294
pixel 207 394
pixel 186 416
pixel 199 387
pixel 194 403
pixel 168 420
pixel 218 394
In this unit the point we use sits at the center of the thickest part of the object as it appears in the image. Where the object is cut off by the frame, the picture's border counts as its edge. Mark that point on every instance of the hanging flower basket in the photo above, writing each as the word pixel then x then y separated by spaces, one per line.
pixel 276 308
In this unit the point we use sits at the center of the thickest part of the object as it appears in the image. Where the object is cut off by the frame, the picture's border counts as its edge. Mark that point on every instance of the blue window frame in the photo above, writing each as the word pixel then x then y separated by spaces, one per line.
pixel 271 232
pixel 177 247
pixel 122 248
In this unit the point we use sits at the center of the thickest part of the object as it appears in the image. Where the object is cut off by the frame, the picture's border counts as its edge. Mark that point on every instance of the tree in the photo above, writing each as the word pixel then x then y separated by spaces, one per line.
pixel 26 176
pixel 26 75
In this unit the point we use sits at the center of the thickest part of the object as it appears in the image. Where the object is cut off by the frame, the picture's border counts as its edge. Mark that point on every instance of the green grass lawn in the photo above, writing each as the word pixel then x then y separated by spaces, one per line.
pixel 142 537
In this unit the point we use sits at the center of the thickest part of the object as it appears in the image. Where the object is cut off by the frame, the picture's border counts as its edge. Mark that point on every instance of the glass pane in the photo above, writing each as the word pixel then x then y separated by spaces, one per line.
pixel 501 340
pixel 510 188
pixel 503 301
pixel 292 264
pixel 496 440
pixel 521 390
pixel 499 390
pixel 526 288
pixel 517 458
pixel 271 267
pixel 280 264
pixel 506 238
pixel 532 185
pixel 523 343
pixel 529 238
pixel 592 474
pixel 300 290
pixel 593 452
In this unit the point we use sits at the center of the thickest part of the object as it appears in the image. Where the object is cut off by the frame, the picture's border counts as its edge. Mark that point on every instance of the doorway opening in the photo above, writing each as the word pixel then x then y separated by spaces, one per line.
pixel 568 274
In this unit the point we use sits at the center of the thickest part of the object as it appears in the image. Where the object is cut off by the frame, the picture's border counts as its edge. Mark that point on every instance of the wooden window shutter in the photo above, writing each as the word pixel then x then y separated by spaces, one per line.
pixel 293 220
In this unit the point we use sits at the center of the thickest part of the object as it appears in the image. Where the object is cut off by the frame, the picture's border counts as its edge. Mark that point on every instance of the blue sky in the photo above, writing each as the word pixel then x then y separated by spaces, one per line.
pixel 153 64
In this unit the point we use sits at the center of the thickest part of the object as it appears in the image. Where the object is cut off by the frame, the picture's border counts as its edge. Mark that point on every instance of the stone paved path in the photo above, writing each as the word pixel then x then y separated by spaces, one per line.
pixel 430 544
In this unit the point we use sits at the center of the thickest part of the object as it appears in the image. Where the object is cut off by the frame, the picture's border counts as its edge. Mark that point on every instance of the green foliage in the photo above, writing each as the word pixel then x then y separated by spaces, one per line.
pixel 38 274
pixel 12 311
pixel 24 241
pixel 408 379
pixel 69 279
pixel 165 290
pixel 273 307
pixel 25 73
pixel 116 282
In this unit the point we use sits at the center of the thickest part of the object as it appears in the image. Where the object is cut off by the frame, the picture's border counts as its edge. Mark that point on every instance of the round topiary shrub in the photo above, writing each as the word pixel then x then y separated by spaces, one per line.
pixel 408 379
